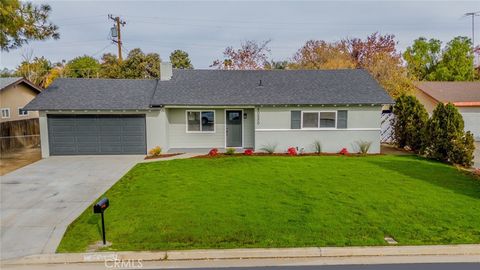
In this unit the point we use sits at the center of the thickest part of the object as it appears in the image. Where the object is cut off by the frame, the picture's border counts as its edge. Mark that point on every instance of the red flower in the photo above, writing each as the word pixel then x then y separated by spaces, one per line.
pixel 213 152
pixel 292 151
pixel 344 151
pixel 248 152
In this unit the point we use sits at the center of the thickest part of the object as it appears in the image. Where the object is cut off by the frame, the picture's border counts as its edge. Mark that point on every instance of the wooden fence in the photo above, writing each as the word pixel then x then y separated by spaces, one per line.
pixel 19 134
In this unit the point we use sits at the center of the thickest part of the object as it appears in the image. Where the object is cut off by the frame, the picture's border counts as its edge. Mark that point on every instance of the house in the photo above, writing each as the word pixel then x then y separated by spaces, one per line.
pixel 15 93
pixel 201 109
pixel 464 95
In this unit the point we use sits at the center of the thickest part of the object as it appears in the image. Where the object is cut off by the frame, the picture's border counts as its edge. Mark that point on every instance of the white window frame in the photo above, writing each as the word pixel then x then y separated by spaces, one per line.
pixel 201 131
pixel 318 128
pixel 7 110
pixel 22 115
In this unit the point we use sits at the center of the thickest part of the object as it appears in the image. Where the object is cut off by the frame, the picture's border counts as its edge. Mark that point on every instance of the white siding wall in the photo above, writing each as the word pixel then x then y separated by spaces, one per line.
pixel 178 137
pixel 471 118
pixel 272 126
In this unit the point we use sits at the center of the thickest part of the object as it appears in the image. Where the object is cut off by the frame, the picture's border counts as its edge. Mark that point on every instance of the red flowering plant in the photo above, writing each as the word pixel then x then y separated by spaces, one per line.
pixel 292 151
pixel 213 152
pixel 344 151
pixel 248 152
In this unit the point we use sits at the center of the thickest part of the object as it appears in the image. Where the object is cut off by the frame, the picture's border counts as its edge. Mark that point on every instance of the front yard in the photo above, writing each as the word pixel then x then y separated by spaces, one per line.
pixel 284 202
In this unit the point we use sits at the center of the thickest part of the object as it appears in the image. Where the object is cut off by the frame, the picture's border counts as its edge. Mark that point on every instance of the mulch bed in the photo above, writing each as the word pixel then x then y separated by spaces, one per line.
pixel 163 156
pixel 222 155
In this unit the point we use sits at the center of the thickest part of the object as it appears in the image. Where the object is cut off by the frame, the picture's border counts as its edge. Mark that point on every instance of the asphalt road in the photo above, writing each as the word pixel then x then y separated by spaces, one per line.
pixel 420 266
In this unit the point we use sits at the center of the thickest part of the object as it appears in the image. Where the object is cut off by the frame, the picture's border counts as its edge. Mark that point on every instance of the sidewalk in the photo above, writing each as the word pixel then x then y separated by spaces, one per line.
pixel 254 253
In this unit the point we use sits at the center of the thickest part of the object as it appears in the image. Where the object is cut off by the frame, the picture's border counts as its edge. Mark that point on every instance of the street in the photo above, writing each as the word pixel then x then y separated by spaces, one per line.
pixel 457 262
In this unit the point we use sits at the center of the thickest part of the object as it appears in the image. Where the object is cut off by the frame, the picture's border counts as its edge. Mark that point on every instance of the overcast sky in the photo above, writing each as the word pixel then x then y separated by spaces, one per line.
pixel 204 29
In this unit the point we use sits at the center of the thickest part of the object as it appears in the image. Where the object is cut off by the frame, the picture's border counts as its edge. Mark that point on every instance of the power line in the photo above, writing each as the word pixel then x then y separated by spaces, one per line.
pixel 101 50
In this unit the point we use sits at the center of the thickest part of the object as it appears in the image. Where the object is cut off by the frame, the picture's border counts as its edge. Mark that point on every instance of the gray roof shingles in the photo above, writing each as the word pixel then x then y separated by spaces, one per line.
pixel 291 87
pixel 95 94
pixel 215 87
pixel 6 81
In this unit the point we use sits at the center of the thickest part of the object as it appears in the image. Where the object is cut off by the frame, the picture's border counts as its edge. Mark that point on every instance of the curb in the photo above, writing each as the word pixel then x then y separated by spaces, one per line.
pixel 253 253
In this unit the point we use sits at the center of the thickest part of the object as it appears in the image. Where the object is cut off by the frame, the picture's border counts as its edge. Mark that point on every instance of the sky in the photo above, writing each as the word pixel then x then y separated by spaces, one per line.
pixel 204 29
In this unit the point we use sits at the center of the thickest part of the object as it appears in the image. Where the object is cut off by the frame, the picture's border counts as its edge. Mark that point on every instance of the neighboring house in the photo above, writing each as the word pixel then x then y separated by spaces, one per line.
pixel 15 93
pixel 464 95
pixel 188 109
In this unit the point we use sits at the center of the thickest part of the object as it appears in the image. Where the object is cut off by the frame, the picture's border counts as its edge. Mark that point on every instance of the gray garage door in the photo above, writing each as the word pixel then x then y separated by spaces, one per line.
pixel 96 134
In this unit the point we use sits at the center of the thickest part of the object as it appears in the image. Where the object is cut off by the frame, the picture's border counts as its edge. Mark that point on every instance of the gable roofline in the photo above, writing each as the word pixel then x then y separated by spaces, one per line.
pixel 21 80
pixel 459 93
pixel 216 88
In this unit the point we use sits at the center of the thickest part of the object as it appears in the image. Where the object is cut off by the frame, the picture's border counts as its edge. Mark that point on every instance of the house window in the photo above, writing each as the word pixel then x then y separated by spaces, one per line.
pixel 22 112
pixel 319 119
pixel 5 112
pixel 200 121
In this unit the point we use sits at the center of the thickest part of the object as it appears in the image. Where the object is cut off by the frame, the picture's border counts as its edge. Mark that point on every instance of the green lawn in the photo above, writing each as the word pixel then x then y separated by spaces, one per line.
pixel 285 202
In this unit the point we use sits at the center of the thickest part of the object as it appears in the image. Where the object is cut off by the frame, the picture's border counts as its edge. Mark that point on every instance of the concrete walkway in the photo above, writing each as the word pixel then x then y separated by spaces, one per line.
pixel 198 256
pixel 181 156
pixel 40 200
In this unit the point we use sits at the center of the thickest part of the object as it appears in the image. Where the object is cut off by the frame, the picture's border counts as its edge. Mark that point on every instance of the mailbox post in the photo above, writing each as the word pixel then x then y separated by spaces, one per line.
pixel 99 208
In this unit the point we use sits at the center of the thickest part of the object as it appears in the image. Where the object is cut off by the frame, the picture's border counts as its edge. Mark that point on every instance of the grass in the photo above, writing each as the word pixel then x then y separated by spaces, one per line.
pixel 284 202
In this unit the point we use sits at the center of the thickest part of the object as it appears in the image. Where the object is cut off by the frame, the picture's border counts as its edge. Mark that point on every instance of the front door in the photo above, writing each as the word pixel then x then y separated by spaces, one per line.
pixel 233 131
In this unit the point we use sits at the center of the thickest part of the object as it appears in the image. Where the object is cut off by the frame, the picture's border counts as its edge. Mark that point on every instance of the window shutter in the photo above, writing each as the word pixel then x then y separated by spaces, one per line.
pixel 295 122
pixel 342 118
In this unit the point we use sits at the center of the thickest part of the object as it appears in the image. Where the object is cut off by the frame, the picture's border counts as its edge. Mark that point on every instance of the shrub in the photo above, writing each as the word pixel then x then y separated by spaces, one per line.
pixel 292 151
pixel 230 151
pixel 213 152
pixel 344 151
pixel 156 151
pixel 409 123
pixel 248 152
pixel 269 148
pixel 318 147
pixel 446 139
pixel 363 147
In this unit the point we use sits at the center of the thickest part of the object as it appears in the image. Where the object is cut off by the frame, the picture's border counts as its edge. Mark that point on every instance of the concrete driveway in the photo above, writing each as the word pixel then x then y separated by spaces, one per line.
pixel 40 200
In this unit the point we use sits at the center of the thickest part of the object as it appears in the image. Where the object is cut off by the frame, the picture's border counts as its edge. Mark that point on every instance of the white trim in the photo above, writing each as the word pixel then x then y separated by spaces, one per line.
pixel 207 107
pixel 22 115
pixel 200 132
pixel 6 110
pixel 318 128
pixel 225 127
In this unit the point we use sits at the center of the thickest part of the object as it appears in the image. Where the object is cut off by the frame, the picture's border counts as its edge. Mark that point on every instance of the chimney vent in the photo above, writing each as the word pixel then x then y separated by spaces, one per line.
pixel 166 72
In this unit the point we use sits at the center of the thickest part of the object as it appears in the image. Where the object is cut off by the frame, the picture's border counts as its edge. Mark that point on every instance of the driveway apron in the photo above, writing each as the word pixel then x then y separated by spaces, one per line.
pixel 40 200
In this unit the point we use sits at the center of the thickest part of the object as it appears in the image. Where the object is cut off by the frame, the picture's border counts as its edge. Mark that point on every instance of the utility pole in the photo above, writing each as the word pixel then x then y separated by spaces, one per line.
pixel 115 33
pixel 473 14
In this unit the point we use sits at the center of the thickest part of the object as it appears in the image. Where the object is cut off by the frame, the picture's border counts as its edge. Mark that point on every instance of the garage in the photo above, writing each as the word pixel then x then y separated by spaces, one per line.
pixel 91 134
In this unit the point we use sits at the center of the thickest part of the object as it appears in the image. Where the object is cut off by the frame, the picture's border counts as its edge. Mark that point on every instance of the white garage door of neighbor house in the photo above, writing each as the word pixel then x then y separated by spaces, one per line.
pixel 472 123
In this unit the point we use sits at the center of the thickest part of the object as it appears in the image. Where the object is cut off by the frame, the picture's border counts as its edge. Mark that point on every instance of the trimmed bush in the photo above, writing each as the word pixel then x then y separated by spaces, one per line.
pixel 213 152
pixel 363 147
pixel 230 151
pixel 269 148
pixel 156 151
pixel 446 139
pixel 248 152
pixel 292 151
pixel 409 123
pixel 318 147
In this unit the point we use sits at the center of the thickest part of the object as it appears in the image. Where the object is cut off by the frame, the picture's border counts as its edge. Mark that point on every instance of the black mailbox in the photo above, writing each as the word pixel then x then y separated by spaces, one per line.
pixel 101 206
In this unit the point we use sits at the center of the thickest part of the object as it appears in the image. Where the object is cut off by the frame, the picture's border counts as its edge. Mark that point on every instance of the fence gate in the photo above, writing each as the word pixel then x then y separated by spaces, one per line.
pixel 386 134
